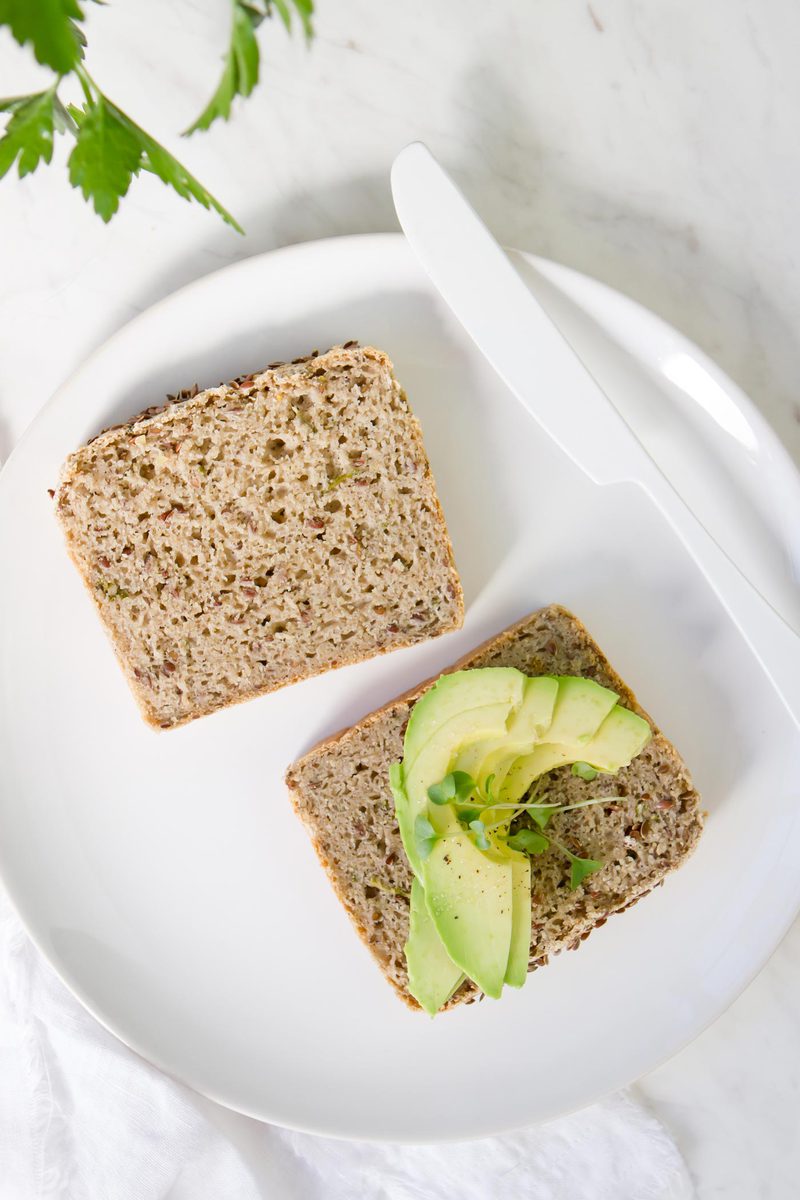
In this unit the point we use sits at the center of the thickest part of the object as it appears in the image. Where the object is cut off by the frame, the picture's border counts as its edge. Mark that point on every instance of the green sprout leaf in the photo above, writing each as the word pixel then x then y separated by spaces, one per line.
pixel 467 815
pixel 48 27
pixel 479 829
pixel 465 785
pixel 458 786
pixel 580 868
pixel 528 841
pixel 541 815
pixel 29 133
pixel 442 792
pixel 425 837
pixel 584 771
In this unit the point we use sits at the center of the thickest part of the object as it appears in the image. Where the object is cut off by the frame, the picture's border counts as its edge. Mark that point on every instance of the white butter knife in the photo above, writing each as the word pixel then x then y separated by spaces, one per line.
pixel 509 326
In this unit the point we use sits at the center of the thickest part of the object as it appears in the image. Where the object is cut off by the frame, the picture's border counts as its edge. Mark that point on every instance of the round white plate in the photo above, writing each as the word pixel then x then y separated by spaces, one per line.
pixel 166 877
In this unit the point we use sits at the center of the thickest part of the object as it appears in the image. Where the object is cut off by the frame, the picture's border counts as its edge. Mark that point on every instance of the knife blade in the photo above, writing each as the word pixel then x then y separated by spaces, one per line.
pixel 482 288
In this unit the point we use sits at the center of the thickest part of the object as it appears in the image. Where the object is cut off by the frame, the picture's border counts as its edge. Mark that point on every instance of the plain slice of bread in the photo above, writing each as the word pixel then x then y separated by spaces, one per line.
pixel 340 789
pixel 254 534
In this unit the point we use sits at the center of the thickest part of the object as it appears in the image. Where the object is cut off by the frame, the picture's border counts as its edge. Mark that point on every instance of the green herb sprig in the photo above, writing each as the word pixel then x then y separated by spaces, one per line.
pixel 110 148
pixel 470 801
pixel 243 59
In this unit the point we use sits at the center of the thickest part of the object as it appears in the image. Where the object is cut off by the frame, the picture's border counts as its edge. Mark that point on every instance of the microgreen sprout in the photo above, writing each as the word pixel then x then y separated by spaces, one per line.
pixel 425 837
pixel 579 867
pixel 528 841
pixel 479 829
pixel 471 802
pixel 458 786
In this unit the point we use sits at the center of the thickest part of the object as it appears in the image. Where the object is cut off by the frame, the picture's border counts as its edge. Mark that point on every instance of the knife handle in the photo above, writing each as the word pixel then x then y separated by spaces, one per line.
pixel 772 641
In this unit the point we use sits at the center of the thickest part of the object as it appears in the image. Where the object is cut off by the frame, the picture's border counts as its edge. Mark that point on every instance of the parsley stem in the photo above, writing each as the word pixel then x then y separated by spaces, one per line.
pixel 86 82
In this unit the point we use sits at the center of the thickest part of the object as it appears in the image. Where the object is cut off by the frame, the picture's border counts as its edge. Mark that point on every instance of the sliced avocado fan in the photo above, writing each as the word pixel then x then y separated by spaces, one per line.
pixel 459 709
pixel 471 896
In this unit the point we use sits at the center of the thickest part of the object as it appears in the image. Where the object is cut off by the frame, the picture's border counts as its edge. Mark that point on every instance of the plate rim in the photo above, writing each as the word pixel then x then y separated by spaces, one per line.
pixel 555 272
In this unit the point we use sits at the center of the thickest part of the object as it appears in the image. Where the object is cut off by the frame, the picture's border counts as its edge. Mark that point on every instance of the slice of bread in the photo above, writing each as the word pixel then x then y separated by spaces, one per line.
pixel 251 535
pixel 341 791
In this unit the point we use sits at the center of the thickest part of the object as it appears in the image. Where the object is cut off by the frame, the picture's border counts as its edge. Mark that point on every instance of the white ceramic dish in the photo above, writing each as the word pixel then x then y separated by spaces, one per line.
pixel 165 875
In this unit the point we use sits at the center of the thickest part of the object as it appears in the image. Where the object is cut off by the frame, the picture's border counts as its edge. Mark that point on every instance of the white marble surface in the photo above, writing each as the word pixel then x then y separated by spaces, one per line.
pixel 653 145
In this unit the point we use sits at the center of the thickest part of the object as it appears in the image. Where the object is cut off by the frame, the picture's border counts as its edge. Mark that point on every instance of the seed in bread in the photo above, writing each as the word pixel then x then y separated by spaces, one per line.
pixel 340 790
pixel 255 534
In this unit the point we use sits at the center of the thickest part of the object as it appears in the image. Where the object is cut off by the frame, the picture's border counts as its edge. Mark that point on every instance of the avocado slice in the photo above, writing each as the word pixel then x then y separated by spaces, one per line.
pixel 493 756
pixel 456 693
pixel 432 974
pixel 617 741
pixel 432 763
pixel 531 766
pixel 580 708
pixel 469 897
pixel 576 710
pixel 520 949
pixel 535 714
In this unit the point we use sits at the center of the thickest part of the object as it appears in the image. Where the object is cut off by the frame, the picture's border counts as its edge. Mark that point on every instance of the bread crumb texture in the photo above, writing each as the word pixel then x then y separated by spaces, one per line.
pixel 650 825
pixel 251 535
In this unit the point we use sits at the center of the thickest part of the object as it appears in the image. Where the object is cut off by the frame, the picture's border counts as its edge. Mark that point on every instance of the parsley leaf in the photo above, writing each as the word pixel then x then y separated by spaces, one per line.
pixel 305 9
pixel 49 26
pixel 528 841
pixel 425 837
pixel 243 60
pixel 580 868
pixel 160 162
pixel 584 771
pixel 106 156
pixel 111 149
pixel 240 73
pixel 29 133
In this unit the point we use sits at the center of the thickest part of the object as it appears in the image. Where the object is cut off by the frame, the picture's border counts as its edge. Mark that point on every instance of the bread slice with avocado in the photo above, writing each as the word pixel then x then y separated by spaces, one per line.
pixel 649 825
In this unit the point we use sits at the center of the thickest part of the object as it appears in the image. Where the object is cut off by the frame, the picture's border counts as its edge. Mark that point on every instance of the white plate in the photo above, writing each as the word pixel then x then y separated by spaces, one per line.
pixel 165 875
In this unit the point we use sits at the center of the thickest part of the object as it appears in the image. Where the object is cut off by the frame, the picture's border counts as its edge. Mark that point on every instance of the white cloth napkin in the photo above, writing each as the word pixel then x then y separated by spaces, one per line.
pixel 84 1118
